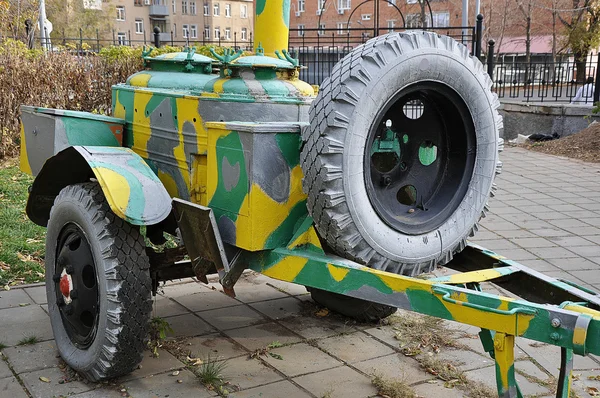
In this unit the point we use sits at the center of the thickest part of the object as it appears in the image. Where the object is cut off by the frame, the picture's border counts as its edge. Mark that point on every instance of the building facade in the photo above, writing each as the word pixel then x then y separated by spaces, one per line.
pixel 229 22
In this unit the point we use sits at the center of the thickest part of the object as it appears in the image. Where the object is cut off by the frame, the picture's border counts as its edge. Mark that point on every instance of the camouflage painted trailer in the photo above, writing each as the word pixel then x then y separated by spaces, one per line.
pixel 350 192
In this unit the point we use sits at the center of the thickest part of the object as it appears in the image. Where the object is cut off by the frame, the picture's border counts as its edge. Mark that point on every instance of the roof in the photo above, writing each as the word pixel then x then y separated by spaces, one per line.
pixel 516 45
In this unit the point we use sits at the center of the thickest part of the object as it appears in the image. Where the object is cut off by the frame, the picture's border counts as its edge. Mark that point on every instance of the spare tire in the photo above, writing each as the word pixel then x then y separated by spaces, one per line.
pixel 400 157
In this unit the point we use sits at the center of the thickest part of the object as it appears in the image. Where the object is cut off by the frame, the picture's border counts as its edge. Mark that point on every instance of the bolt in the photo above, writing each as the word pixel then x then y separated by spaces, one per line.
pixel 69 309
pixel 402 166
pixel 555 336
pixel 555 322
pixel 69 269
pixel 386 180
pixel 411 211
pixel 73 294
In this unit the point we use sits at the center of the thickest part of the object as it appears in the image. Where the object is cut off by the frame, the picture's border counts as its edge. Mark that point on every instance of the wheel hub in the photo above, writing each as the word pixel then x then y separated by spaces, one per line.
pixel 77 295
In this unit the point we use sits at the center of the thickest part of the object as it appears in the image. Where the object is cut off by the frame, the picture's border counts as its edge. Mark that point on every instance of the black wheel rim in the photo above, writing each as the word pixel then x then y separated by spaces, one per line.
pixel 76 286
pixel 418 170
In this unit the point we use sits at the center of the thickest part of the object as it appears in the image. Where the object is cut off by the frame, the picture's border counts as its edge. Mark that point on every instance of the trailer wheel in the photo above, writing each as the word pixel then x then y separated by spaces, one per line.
pixel 361 310
pixel 98 284
pixel 401 153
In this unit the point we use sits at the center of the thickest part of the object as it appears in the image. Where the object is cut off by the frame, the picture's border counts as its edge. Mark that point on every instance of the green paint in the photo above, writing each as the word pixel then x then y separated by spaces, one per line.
pixel 230 151
pixel 285 230
pixel 288 145
pixel 405 139
pixel 125 99
pixel 260 6
pixel 504 391
pixel 286 13
pixel 90 132
pixel 427 153
pixel 170 80
pixel 236 87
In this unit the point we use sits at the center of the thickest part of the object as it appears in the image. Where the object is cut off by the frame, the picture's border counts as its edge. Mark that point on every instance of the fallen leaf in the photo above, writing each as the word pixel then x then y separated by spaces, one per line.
pixel 44 379
pixel 276 356
pixel 194 361
pixel 597 378
pixel 323 312
pixel 175 373
pixel 593 391
pixel 23 304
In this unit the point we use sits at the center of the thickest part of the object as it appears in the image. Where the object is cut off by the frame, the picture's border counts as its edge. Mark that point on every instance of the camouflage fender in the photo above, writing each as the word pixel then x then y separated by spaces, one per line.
pixel 131 188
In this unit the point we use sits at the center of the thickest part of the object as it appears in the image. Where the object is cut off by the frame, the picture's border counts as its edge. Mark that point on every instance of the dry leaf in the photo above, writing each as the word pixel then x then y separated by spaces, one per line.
pixel 593 391
pixel 194 361
pixel 323 312
pixel 44 379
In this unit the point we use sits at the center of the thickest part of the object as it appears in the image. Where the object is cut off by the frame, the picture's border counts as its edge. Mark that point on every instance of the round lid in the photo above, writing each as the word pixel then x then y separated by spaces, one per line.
pixel 262 61
pixel 182 57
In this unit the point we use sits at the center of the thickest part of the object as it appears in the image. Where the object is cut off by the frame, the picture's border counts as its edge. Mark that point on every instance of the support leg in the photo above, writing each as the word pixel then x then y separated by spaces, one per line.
pixel 504 353
pixel 565 376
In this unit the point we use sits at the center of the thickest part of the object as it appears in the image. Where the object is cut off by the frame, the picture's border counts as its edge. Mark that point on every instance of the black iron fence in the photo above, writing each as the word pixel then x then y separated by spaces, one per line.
pixel 544 80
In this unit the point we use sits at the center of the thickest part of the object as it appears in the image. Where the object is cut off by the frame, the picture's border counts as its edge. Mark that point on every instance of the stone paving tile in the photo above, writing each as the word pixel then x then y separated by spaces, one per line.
pixel 14 298
pixel 41 389
pixel 541 265
pixel 354 347
pixel 339 382
pixel 251 292
pixel 589 276
pixel 527 243
pixel 260 336
pixel 215 346
pixel 313 328
pixel 151 365
pixel 290 288
pixel 247 373
pixel 32 357
pixel 487 376
pixel 4 370
pixel 531 369
pixel 280 308
pixel 205 300
pixel 394 366
pixel 172 289
pixel 300 359
pixel 102 392
pixel 549 232
pixel 232 317
pixel 10 387
pixel 167 385
pixel 552 252
pixel 38 294
pixel 586 251
pixel 465 359
pixel 519 255
pixel 165 306
pixel 20 322
pixel 280 389
pixel 517 233
pixel 188 325
pixel 570 241
pixel 437 390
pixel 573 264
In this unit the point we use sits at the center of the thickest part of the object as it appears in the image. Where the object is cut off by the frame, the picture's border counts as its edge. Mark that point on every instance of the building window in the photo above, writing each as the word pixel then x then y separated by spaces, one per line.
pixel 217 33
pixel 138 2
pixel 206 9
pixel 300 5
pixel 441 19
pixel 365 17
pixel 300 30
pixel 227 10
pixel 344 4
pixel 207 32
pixel 321 7
pixel 174 30
pixel 216 9
pixel 139 26
pixel 194 31
pixel 391 24
pixel 414 21
pixel 244 34
pixel 174 6
pixel 186 30
pixel 184 7
pixel 120 13
pixel 122 39
pixel 391 3
pixel 340 28
pixel 227 33
pixel 193 7
pixel 411 1
pixel 243 11
pixel 321 29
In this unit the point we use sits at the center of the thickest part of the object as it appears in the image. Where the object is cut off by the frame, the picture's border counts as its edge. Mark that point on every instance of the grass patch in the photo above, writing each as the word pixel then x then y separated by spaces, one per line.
pixel 28 340
pixel 417 333
pixel 2 346
pixel 210 372
pixel 392 388
pixel 21 241
pixel 159 329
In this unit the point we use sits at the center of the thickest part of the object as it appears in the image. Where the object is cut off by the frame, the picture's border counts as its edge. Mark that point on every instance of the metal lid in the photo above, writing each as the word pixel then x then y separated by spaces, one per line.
pixel 182 57
pixel 262 61
pixel 184 61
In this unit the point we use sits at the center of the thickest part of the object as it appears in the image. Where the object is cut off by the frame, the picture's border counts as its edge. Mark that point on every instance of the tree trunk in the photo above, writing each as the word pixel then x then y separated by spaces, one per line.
pixel 423 18
pixel 580 61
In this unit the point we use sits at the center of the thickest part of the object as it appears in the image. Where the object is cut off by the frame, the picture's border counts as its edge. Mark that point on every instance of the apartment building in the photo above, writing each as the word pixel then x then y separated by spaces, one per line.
pixel 227 21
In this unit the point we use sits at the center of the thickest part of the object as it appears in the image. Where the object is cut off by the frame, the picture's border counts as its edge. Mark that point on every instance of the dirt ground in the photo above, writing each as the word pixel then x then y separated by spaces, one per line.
pixel 584 145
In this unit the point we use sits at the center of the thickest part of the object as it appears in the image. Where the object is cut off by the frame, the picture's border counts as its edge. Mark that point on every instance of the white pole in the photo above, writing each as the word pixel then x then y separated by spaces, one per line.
pixel 477 8
pixel 465 17
pixel 43 37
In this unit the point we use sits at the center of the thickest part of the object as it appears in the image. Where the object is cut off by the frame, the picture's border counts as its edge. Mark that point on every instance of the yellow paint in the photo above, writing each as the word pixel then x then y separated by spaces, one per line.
pixel 474 276
pixel 304 88
pixel 308 237
pixel 116 189
pixel 199 175
pixel 140 80
pixel 583 310
pixel 141 123
pixel 266 214
pixel 24 158
pixel 218 86
pixel 337 273
pixel 215 131
pixel 119 109
pixel 579 336
pixel 270 29
pixel 209 95
pixel 168 182
pixel 504 353
pixel 287 269
pixel 170 55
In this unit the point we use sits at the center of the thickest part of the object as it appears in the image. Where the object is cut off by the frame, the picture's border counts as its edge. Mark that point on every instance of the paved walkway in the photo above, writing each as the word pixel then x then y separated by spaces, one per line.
pixel 546 214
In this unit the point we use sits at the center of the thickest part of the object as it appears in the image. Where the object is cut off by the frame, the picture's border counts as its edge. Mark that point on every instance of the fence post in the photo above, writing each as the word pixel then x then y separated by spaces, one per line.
pixel 156 37
pixel 98 39
pixel 28 32
pixel 490 59
pixel 80 41
pixel 478 34
pixel 172 44
pixel 597 81
pixel 114 41
pixel 129 38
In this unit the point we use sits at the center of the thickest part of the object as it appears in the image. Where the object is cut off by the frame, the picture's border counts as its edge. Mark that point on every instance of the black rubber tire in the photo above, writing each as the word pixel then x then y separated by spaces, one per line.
pixel 123 280
pixel 360 85
pixel 360 310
